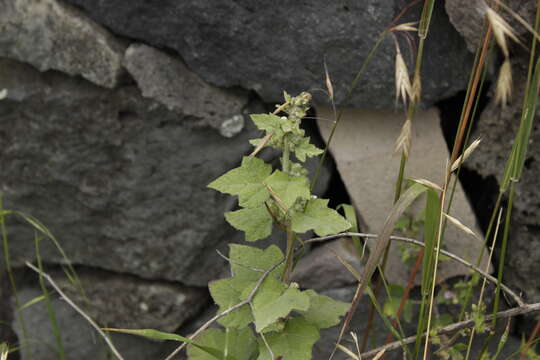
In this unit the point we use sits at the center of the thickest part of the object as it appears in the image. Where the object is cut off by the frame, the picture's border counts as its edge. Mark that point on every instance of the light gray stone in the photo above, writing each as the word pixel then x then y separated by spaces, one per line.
pixel 126 301
pixel 54 36
pixel 320 269
pixel 363 148
pixel 168 81
pixel 274 46
pixel 79 339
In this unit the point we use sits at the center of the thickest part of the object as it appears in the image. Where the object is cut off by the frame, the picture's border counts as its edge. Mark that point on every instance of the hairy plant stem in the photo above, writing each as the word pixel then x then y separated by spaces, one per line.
pixel 289 255
pixel 285 158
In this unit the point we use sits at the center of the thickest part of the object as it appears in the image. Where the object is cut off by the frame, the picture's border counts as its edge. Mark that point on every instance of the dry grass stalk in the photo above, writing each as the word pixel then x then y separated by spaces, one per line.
pixel 460 225
pixel 348 352
pixel 470 149
pixel 410 26
pixel 428 183
pixel 503 92
pixel 403 142
pixel 501 30
pixel 403 82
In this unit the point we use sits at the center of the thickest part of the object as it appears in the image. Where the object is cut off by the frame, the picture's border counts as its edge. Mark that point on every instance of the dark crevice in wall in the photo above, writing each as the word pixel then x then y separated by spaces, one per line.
pixel 481 191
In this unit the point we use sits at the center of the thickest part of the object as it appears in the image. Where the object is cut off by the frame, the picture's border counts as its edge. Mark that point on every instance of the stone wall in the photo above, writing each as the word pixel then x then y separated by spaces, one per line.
pixel 119 113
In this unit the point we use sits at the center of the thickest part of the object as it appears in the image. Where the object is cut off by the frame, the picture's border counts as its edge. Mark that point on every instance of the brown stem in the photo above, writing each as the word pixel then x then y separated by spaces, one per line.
pixel 406 293
pixel 533 336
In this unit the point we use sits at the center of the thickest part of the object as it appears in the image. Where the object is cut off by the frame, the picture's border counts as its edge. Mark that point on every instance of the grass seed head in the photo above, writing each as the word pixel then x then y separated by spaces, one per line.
pixel 503 92
pixel 410 26
pixel 403 82
pixel 403 142
pixel 468 151
pixel 501 30
pixel 460 225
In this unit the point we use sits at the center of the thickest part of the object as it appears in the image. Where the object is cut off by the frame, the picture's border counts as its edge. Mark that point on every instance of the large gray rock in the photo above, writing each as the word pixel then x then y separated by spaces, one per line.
pixel 79 339
pixel 274 46
pixel 165 79
pixel 498 127
pixel 119 178
pixel 51 35
pixel 126 301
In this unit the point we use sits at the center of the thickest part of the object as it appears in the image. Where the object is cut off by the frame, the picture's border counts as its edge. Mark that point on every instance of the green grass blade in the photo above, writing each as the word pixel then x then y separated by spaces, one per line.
pixel 160 335
pixel 350 215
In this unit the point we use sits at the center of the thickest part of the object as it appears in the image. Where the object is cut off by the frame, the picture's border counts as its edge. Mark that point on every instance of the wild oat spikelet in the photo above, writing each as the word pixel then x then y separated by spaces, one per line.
pixel 460 225
pixel 403 82
pixel 328 81
pixel 468 151
pixel 410 26
pixel 504 84
pixel 403 142
pixel 501 29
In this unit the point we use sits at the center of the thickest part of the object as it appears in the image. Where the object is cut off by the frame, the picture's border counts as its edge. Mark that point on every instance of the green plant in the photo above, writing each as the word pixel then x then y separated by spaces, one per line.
pixel 277 309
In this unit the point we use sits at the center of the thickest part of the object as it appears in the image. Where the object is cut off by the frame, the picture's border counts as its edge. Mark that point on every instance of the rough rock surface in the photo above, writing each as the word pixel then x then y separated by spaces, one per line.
pixel 274 46
pixel 119 178
pixel 468 17
pixel 498 127
pixel 363 147
pixel 79 339
pixel 168 81
pixel 126 301
pixel 51 35
pixel 321 270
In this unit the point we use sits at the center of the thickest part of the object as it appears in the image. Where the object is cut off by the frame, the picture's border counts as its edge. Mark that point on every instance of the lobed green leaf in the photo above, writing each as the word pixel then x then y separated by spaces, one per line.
pixel 227 293
pixel 255 222
pixel 305 149
pixel 323 312
pixel 246 258
pixel 274 301
pixel 294 342
pixel 232 345
pixel 318 217
pixel 245 181
pixel 288 188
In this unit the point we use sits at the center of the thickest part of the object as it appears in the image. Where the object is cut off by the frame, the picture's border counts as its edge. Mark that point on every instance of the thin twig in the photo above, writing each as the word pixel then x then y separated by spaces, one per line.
pixel 228 311
pixel 265 140
pixel 78 309
pixel 239 264
pixel 520 310
pixel 484 274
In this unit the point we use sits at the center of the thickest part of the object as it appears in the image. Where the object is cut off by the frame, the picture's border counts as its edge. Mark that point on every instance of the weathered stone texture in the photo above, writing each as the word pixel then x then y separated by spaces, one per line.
pixel 119 178
pixel 51 35
pixel 274 46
